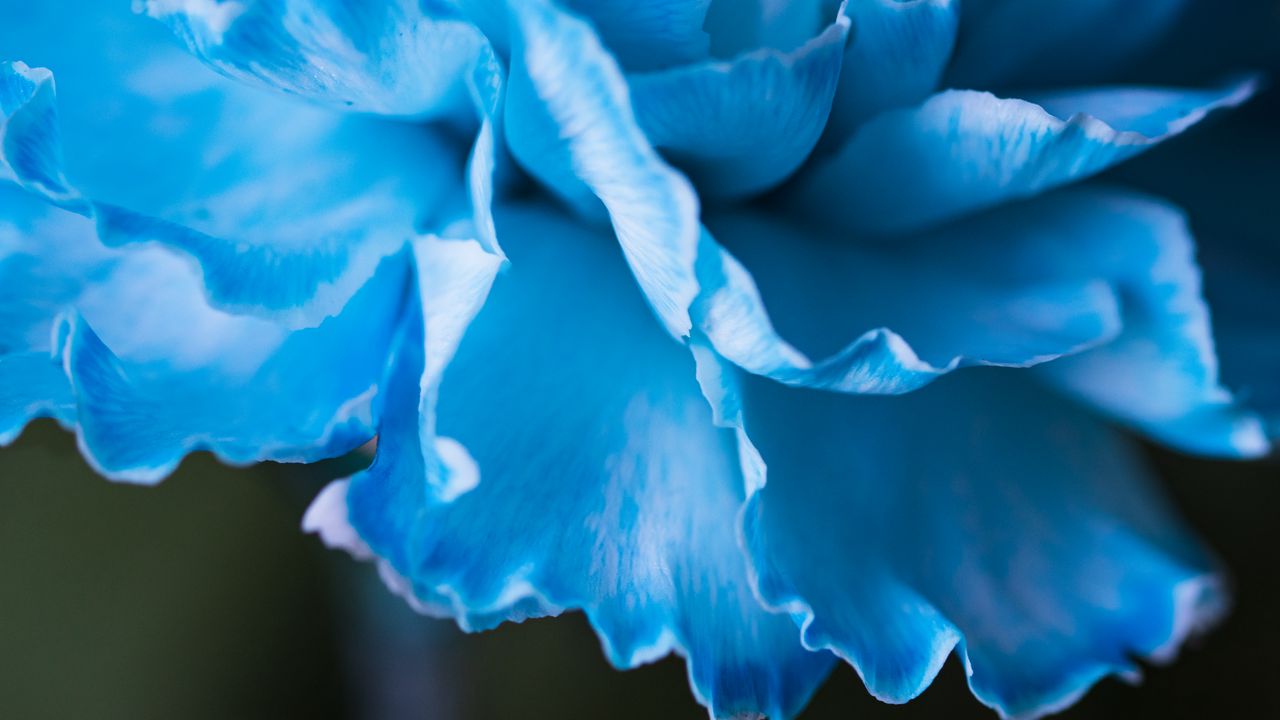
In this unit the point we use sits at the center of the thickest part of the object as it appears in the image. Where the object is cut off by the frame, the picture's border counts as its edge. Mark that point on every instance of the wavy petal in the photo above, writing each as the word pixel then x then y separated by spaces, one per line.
pixel 962 151
pixel 287 208
pixel 603 483
pixel 32 385
pixel 400 58
pixel 978 511
pixel 570 124
pixel 916 309
pixel 740 127
pixel 158 374
pixel 1007 43
pixel 1161 373
pixel 898 53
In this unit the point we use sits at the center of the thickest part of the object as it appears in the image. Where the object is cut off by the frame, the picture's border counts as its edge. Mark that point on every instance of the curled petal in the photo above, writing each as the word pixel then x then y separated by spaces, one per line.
pixel 741 126
pixel 962 151
pixel 158 374
pixel 389 58
pixel 980 514
pixel 638 527
pixel 288 209
pixel 570 123
pixel 964 295
pixel 1161 373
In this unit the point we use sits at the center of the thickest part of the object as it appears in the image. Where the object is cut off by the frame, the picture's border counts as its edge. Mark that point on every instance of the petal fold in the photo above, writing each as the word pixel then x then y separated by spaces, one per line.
pixel 974 293
pixel 401 58
pixel 741 126
pixel 570 123
pixel 962 151
pixel 979 513
pixel 287 208
pixel 896 58
pixel 637 528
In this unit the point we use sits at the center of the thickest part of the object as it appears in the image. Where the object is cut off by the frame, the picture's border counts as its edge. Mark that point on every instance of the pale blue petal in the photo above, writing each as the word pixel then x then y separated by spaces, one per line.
pixel 158 374
pixel 741 126
pixel 914 310
pixel 1007 43
pixel 569 122
pixel 47 258
pixel 1161 374
pixel 898 53
pixel 649 34
pixel 979 511
pixel 962 151
pixel 603 484
pixel 399 58
pixel 288 208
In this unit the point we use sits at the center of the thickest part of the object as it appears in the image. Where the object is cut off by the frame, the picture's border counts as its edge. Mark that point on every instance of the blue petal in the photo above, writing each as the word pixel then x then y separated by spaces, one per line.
pixel 32 385
pixel 287 208
pixel 1007 43
pixel 962 151
pixel 397 58
pixel 649 34
pixel 742 126
pixel 570 124
pixel 603 483
pixel 978 511
pixel 916 309
pixel 897 56
pixel 48 257
pixel 158 374
pixel 1161 373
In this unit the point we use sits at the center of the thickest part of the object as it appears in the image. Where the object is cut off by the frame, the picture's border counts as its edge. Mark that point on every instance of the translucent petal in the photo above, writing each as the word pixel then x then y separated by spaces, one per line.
pixel 979 511
pixel 158 374
pixel 603 484
pixel 1161 373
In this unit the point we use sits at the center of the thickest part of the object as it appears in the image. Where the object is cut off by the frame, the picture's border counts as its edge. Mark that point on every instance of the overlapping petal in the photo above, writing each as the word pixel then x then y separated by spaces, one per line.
pixel 987 294
pixel 978 513
pixel 741 126
pixel 962 151
pixel 287 209
pixel 637 528
pixel 400 58
pixel 896 58
pixel 649 34
pixel 571 125
pixel 158 374
pixel 1161 374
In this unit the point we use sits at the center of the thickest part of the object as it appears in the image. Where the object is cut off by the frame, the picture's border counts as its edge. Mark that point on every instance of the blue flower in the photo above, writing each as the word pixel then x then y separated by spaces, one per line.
pixel 771 334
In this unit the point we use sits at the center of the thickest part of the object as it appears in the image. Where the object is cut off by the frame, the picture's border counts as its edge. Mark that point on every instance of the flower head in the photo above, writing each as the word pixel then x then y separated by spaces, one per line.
pixel 772 334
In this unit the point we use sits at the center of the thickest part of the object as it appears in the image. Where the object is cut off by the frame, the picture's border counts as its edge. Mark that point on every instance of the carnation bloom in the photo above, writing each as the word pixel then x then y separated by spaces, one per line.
pixel 772 334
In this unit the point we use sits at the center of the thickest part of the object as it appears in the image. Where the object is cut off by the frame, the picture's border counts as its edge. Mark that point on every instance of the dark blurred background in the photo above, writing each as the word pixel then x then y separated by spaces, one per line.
pixel 201 598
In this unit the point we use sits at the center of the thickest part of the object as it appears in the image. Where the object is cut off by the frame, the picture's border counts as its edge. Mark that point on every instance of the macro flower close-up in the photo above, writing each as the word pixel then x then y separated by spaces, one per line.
pixel 781 336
